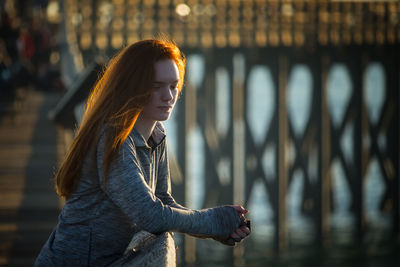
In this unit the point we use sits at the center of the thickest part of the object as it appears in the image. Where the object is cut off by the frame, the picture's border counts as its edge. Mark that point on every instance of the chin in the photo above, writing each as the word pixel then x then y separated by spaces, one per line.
pixel 163 118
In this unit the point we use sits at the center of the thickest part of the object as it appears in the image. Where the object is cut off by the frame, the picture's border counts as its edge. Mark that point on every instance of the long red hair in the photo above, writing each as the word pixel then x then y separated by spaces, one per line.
pixel 115 102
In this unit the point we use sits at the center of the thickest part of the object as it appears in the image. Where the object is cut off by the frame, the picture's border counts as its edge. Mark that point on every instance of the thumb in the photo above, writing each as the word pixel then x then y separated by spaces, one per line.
pixel 239 209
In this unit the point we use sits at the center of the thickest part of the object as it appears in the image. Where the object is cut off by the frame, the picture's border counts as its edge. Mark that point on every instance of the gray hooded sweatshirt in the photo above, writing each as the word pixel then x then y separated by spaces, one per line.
pixel 99 219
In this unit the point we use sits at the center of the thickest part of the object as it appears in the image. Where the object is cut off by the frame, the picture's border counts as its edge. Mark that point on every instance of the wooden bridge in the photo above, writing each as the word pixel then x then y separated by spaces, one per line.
pixel 292 106
pixel 294 103
pixel 29 152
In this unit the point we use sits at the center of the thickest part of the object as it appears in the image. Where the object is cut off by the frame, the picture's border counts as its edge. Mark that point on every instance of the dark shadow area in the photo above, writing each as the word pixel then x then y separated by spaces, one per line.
pixel 365 255
pixel 39 209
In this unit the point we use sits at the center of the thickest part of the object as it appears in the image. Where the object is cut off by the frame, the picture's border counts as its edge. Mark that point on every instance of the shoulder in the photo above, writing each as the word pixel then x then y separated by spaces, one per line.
pixel 103 141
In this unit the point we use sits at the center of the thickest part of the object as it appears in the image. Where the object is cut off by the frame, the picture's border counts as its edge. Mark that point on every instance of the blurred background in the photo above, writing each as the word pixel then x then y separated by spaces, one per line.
pixel 292 107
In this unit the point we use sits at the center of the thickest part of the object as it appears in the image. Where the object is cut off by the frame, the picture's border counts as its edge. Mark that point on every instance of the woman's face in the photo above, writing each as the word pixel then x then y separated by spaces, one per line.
pixel 165 92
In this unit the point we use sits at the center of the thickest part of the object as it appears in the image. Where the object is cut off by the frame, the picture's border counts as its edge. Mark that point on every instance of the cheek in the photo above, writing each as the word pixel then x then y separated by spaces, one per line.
pixel 153 100
pixel 175 95
pixel 149 105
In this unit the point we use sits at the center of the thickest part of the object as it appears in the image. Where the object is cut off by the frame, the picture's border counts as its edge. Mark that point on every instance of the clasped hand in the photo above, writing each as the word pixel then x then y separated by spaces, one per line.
pixel 240 233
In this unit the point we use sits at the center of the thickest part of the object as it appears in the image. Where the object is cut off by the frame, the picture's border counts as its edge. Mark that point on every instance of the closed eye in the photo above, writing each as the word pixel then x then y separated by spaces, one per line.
pixel 170 84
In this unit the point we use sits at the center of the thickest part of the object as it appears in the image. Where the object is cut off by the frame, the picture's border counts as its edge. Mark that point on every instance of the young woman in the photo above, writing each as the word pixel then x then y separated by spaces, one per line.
pixel 115 177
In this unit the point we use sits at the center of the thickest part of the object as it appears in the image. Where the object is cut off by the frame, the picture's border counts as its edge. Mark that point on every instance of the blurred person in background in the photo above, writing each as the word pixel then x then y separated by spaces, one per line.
pixel 26 52
pixel 44 75
pixel 5 64
pixel 115 177
pixel 9 67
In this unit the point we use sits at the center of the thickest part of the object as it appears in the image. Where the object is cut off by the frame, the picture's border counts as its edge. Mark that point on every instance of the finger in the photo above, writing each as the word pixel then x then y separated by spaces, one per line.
pixel 239 209
pixel 243 210
pixel 248 224
pixel 236 237
pixel 240 233
pixel 245 229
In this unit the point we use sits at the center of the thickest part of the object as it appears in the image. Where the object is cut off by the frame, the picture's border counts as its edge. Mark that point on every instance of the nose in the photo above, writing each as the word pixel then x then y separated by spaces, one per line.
pixel 167 94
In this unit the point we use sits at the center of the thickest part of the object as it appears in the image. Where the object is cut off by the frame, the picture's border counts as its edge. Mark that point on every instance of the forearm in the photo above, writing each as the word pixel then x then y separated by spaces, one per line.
pixel 167 199
pixel 148 212
pixel 219 221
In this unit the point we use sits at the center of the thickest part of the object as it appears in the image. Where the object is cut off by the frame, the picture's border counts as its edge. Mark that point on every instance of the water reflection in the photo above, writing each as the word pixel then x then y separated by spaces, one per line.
pixel 301 227
pixel 339 91
pixel 268 162
pixel 261 213
pixel 299 98
pixel 223 107
pixel 347 142
pixel 260 110
pixel 195 169
pixel 374 189
pixel 374 90
pixel 260 102
pixel 195 70
pixel 342 198
pixel 171 127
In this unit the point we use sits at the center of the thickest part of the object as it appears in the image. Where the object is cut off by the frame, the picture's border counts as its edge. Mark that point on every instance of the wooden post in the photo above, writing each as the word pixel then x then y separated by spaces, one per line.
pixel 190 122
pixel 360 125
pixel 325 154
pixel 282 155
pixel 395 87
pixel 397 189
pixel 238 142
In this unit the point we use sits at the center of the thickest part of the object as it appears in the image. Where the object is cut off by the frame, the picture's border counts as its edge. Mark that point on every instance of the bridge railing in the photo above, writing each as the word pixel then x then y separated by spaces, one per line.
pixel 295 116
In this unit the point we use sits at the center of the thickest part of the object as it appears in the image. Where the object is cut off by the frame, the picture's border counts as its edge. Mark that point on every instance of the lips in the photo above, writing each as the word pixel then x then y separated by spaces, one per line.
pixel 165 108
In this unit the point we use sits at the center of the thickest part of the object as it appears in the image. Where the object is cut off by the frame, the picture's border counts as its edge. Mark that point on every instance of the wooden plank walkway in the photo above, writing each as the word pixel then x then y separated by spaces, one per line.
pixel 29 205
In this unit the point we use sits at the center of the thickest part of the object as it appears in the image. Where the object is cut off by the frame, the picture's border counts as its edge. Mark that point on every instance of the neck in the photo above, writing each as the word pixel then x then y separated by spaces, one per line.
pixel 144 127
